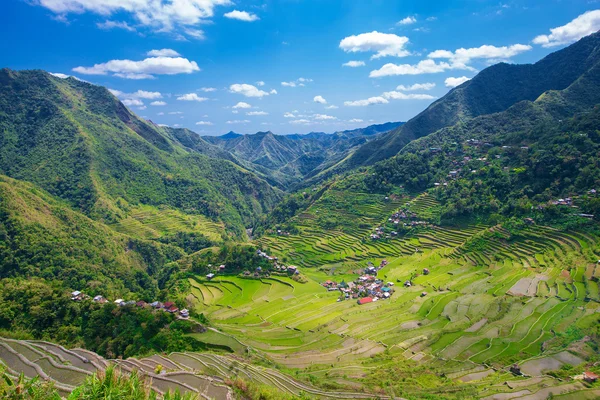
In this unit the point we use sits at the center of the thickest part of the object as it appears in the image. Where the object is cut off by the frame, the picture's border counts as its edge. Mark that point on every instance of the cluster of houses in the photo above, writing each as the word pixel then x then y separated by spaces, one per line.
pixel 168 306
pixel 367 288
pixel 259 272
pixel 403 218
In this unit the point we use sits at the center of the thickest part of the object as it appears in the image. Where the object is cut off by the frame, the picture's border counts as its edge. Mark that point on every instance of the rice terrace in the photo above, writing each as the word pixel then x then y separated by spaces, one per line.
pixel 299 200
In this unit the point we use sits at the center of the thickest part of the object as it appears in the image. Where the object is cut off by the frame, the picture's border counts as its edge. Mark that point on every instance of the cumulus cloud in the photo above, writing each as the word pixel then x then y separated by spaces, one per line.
pixel 416 86
pixel 208 89
pixel 249 90
pixel 300 122
pixel 297 82
pixel 191 97
pixel 241 104
pixel 423 67
pixel 355 120
pixel 453 82
pixel 354 64
pixel 143 69
pixel 585 24
pixel 241 15
pixel 323 117
pixel 133 102
pixel 260 83
pixel 236 121
pixel 383 44
pixel 108 25
pixel 367 102
pixel 158 103
pixel 163 53
pixel 252 113
pixel 331 107
pixel 161 15
pixel 463 56
pixel 208 123
pixel 143 94
pixel 320 100
pixel 61 75
pixel 403 96
pixel 407 21
pixel 289 115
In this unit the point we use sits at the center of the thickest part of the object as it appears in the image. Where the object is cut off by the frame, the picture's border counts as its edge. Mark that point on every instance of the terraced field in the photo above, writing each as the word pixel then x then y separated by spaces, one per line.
pixel 490 302
pixel 148 222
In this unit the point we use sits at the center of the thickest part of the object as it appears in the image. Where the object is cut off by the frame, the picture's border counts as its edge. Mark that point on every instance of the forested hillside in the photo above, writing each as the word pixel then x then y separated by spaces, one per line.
pixel 80 143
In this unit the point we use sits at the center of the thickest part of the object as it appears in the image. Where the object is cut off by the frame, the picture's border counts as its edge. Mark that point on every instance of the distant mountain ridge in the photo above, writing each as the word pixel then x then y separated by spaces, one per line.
pixel 287 159
pixel 494 89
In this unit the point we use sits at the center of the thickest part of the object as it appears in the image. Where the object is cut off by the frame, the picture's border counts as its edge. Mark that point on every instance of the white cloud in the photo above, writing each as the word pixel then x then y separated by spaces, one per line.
pixel 297 82
pixel 234 111
pixel 288 84
pixel 354 64
pixel 300 122
pixel 320 100
pixel 208 89
pixel 585 24
pixel 235 121
pixel 407 21
pixel 191 97
pixel 404 96
pixel 160 15
pixel 251 113
pixel 158 103
pixel 249 90
pixel 241 15
pixel 464 56
pixel 260 83
pixel 142 108
pixel 453 82
pixel 175 113
pixel 208 123
pixel 423 67
pixel 323 117
pixel 289 115
pixel 304 80
pixel 142 94
pixel 416 86
pixel 143 69
pixel 331 107
pixel 367 102
pixel 355 120
pixel 383 44
pixel 241 104
pixel 195 33
pixel 63 76
pixel 108 25
pixel 163 53
pixel 133 102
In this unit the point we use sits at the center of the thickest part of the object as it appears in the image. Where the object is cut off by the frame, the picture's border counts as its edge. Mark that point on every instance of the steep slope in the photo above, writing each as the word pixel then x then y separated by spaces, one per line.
pixel 493 90
pixel 42 237
pixel 287 159
pixel 80 143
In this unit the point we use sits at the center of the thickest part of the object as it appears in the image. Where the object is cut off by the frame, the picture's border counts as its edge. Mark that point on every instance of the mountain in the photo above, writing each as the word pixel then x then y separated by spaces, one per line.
pixel 492 90
pixel 41 236
pixel 81 144
pixel 285 160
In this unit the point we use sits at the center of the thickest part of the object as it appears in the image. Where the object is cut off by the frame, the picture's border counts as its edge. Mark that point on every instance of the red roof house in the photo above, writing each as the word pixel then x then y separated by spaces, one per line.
pixel 590 377
pixel 365 300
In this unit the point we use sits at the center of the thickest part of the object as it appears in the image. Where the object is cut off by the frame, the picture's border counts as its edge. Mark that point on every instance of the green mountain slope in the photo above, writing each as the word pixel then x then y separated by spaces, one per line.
pixel 42 237
pixel 493 90
pixel 80 143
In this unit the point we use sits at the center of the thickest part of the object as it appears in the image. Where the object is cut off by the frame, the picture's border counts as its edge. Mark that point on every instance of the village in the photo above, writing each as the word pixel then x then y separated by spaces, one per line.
pixel 259 272
pixel 168 306
pixel 367 288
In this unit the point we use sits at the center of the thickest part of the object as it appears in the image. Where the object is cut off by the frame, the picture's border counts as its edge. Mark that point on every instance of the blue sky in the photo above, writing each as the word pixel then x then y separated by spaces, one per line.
pixel 247 66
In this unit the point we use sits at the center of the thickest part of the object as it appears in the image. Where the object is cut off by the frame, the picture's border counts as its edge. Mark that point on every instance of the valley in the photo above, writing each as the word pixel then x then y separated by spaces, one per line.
pixel 454 256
